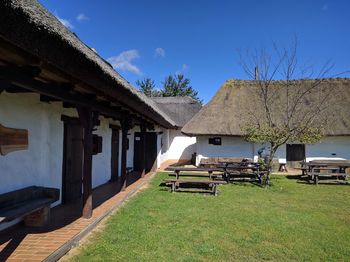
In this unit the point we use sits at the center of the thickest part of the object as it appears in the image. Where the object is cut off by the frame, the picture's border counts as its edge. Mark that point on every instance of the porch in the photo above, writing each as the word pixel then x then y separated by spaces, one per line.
pixel 66 225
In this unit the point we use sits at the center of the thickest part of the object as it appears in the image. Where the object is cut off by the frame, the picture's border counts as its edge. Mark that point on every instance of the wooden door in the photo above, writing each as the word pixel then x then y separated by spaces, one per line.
pixel 72 161
pixel 137 152
pixel 151 151
pixel 295 152
pixel 115 154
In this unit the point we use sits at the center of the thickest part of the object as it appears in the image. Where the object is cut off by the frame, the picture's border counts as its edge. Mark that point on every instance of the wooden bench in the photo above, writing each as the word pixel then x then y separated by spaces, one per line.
pixel 209 175
pixel 314 176
pixel 31 203
pixel 175 184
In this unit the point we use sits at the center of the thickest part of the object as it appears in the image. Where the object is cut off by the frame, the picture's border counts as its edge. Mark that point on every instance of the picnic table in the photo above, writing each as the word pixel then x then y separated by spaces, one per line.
pixel 325 168
pixel 232 169
pixel 208 172
pixel 205 171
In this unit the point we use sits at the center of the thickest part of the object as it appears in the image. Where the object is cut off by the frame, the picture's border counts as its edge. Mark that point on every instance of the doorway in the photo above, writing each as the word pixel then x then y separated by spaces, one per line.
pixel 72 168
pixel 295 152
pixel 115 154
pixel 151 151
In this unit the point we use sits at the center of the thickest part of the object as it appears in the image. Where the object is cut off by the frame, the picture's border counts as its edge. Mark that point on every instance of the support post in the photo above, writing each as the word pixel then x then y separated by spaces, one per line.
pixel 86 117
pixel 125 125
pixel 143 151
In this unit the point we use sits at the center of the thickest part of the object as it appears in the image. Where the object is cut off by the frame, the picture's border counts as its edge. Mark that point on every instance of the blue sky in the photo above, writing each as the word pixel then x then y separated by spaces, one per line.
pixel 201 38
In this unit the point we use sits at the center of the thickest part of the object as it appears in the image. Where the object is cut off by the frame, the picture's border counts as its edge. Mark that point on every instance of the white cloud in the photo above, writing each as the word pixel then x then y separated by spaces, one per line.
pixel 82 18
pixel 159 52
pixel 325 7
pixel 183 69
pixel 65 22
pixel 124 61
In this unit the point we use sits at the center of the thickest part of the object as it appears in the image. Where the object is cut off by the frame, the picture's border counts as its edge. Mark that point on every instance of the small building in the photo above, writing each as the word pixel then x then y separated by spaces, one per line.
pixel 218 125
pixel 177 147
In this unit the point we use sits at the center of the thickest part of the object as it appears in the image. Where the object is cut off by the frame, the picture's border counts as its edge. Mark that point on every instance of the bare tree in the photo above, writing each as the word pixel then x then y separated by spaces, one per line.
pixel 294 102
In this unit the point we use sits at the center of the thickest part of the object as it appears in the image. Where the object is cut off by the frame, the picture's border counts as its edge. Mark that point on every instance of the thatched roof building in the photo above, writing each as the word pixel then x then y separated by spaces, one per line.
pixel 179 109
pixel 32 29
pixel 232 106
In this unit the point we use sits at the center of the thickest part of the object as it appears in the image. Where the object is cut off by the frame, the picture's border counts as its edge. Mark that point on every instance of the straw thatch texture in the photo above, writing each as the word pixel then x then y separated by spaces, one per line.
pixel 29 26
pixel 180 109
pixel 237 101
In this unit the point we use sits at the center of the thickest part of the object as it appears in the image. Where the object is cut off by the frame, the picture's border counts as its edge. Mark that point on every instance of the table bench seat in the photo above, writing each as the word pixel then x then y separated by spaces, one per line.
pixel 196 175
pixel 175 183
pixel 314 176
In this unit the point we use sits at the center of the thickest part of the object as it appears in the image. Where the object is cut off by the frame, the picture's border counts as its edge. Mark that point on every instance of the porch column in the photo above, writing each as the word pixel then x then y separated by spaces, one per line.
pixel 86 116
pixel 125 125
pixel 143 151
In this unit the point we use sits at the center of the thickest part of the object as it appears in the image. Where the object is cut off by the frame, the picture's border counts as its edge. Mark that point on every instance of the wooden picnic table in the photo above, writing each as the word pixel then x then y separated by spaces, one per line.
pixel 234 168
pixel 175 183
pixel 325 168
pixel 341 164
pixel 178 170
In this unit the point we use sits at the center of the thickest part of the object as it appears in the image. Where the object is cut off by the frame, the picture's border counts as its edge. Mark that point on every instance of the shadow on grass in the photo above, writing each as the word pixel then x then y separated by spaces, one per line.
pixel 324 182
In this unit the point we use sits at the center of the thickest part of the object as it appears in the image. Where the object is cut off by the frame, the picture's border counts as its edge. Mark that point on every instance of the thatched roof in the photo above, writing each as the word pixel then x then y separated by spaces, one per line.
pixel 29 26
pixel 232 106
pixel 180 109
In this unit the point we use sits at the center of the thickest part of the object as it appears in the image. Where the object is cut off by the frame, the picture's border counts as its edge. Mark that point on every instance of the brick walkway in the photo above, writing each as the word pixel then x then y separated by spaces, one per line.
pixel 65 227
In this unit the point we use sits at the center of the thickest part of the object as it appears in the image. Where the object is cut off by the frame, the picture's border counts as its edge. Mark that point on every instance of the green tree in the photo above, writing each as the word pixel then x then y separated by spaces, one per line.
pixel 148 87
pixel 178 85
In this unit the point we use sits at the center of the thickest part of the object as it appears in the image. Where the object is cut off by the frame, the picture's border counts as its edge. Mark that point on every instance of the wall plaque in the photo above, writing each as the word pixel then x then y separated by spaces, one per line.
pixel 12 139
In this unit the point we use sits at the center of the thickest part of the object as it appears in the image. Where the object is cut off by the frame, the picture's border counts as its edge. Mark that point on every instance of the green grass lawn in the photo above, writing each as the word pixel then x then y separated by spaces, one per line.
pixel 288 221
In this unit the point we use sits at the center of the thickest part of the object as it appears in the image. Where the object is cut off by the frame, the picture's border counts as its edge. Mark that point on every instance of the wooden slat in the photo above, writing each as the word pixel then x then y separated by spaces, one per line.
pixel 12 139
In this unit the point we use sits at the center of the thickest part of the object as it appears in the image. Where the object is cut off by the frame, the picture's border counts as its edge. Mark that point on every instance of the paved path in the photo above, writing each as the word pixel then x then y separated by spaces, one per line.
pixel 66 226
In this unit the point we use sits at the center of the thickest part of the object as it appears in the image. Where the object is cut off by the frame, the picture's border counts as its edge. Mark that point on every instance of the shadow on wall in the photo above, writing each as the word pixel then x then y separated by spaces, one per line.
pixel 187 152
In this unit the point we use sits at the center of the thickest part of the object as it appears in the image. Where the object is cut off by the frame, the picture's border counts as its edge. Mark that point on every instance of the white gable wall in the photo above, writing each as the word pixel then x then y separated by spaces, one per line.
pixel 181 146
pixel 332 146
pixel 230 147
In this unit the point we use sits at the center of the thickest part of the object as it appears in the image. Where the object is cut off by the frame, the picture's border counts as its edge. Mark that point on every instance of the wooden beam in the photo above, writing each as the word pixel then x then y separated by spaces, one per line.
pixel 143 151
pixel 3 85
pixel 24 77
pixel 126 125
pixel 62 92
pixel 67 105
pixel 47 99
pixel 17 89
pixel 86 116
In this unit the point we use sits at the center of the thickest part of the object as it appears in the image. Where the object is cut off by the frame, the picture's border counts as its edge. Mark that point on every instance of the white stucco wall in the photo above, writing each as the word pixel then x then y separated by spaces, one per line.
pixel 180 146
pixel 41 164
pixel 163 152
pixel 230 147
pixel 101 163
pixel 335 146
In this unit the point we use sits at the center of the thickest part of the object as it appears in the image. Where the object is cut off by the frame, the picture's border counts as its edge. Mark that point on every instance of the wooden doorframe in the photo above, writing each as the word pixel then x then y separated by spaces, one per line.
pixel 67 120
pixel 115 152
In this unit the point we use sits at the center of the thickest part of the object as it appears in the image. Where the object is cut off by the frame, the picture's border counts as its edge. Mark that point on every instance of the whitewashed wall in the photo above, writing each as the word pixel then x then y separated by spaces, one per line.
pixel 236 147
pixel 41 164
pixel 181 146
pixel 101 163
pixel 165 144
pixel 337 145
pixel 230 147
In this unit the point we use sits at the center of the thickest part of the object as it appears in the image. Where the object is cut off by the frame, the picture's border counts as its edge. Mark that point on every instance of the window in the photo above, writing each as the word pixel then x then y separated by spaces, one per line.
pixel 216 141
